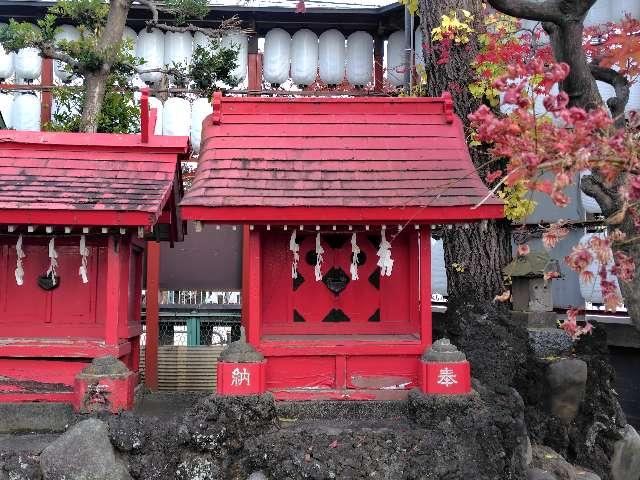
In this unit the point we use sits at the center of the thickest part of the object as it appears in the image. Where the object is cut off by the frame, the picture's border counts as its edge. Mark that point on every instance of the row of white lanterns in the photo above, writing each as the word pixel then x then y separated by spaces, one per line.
pixel 177 116
pixel 304 55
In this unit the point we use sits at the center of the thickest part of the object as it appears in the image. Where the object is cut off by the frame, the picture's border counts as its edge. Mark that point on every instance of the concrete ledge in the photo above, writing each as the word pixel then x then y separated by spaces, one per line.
pixel 35 417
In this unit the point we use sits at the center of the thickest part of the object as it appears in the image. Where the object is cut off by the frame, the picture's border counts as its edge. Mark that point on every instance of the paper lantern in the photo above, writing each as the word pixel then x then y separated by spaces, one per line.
pixel 277 54
pixel 26 112
pixel 396 65
pixel 69 33
pixel 6 60
pixel 200 108
pixel 28 63
pixel 150 47
pixel 359 58
pixel 176 117
pixel 331 57
pixel 239 41
pixel 178 47
pixel 304 57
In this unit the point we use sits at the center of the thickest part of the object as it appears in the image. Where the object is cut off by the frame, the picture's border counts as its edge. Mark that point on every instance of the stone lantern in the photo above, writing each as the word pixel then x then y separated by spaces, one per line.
pixel 531 294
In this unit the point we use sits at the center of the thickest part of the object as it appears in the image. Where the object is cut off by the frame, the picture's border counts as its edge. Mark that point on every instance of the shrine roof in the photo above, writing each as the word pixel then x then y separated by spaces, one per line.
pixel 57 178
pixel 330 159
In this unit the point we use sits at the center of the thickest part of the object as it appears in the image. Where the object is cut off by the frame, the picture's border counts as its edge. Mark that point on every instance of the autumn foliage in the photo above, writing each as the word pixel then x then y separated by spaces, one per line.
pixel 547 144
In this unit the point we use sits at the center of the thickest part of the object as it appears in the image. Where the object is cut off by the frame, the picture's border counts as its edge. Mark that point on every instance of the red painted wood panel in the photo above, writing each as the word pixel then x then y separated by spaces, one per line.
pixel 344 214
pixel 301 372
pixel 359 300
pixel 382 372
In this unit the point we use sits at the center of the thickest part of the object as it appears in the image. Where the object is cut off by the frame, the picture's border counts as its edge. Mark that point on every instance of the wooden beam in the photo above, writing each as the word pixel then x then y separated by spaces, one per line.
pixel 426 332
pixel 112 297
pixel 153 317
pixel 46 99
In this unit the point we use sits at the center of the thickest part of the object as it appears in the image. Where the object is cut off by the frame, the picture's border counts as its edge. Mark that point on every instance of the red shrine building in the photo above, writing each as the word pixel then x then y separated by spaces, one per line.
pixel 338 197
pixel 74 213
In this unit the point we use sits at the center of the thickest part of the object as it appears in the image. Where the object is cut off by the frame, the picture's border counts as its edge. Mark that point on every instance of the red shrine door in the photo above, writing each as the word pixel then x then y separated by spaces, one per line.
pixel 338 304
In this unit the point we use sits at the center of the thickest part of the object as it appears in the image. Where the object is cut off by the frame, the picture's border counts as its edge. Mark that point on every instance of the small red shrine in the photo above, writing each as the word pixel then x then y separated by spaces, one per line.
pixel 74 211
pixel 338 196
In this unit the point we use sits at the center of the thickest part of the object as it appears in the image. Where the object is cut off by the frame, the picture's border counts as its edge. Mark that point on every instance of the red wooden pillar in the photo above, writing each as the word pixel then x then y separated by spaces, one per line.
pixel 378 63
pixel 251 284
pixel 254 65
pixel 425 284
pixel 153 318
pixel 46 100
pixel 114 274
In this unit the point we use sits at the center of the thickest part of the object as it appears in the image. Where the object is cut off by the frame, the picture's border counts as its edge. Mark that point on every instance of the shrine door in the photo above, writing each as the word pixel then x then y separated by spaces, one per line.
pixel 338 303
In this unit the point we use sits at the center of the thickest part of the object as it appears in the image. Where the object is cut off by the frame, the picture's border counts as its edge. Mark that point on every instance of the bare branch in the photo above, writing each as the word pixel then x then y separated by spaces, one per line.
pixel 233 23
pixel 621 86
pixel 544 11
pixel 594 186
pixel 47 50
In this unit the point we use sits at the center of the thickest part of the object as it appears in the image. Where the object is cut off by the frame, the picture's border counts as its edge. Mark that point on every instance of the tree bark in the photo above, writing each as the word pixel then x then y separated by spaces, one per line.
pixel 95 84
pixel 475 255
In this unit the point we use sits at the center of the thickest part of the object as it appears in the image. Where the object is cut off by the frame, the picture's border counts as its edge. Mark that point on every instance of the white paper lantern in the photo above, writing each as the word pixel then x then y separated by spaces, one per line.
pixel 331 57
pixel 438 270
pixel 589 204
pixel 239 41
pixel 6 107
pixel 150 47
pixel 26 112
pixel 599 13
pixel 200 108
pixel 359 58
pixel 176 117
pixel 202 40
pixel 396 65
pixel 178 47
pixel 155 103
pixel 304 57
pixel 69 33
pixel 28 62
pixel 131 35
pixel 592 291
pixel 634 98
pixel 277 54
pixel 6 60
pixel 418 51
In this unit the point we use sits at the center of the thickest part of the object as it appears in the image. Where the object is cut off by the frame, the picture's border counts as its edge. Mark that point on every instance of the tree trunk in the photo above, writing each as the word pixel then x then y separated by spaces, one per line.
pixel 95 83
pixel 476 255
pixel 566 41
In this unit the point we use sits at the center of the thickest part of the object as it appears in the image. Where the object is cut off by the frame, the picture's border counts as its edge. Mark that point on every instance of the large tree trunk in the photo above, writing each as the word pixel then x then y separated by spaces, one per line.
pixel 475 254
pixel 95 83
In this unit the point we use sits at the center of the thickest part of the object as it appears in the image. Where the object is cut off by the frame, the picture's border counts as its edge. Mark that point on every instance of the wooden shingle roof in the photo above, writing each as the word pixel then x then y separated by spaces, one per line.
pixel 88 179
pixel 269 159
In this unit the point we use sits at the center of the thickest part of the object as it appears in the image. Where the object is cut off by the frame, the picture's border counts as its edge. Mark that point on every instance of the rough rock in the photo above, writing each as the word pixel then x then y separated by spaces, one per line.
pixel 584 474
pixel 221 424
pixel 549 342
pixel 257 476
pixel 107 365
pixel 19 466
pixel 240 351
pixel 442 351
pixel 567 380
pixel 198 467
pixel 625 464
pixel 538 474
pixel 479 436
pixel 550 461
pixel 494 343
pixel 83 452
